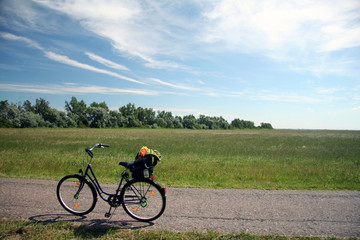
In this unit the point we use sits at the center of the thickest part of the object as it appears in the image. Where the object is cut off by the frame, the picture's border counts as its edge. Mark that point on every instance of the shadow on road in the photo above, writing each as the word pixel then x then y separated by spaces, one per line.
pixel 90 227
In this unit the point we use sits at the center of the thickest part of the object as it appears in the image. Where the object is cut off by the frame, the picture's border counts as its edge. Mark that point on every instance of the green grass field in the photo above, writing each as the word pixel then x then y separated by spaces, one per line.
pixel 246 159
pixel 25 229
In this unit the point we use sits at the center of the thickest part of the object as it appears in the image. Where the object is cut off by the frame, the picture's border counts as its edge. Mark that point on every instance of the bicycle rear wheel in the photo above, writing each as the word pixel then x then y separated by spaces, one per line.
pixel 76 195
pixel 143 199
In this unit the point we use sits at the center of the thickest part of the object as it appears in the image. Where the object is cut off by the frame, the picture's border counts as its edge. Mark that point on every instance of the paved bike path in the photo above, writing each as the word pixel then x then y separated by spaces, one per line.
pixel 306 213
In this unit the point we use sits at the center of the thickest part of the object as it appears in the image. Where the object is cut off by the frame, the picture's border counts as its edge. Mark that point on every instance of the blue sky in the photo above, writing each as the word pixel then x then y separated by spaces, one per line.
pixel 295 64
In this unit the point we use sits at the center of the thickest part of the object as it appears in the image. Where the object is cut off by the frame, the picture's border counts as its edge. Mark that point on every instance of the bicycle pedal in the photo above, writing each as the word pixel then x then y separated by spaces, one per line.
pixel 107 215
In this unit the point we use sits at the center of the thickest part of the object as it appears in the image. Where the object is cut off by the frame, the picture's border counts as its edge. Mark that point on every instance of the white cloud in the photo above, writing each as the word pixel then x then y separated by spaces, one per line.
pixel 109 10
pixel 9 67
pixel 323 90
pixel 289 98
pixel 319 96
pixel 64 59
pixel 158 33
pixel 173 85
pixel 162 34
pixel 282 27
pixel 71 88
pixel 307 36
pixel 106 62
pixel 29 42
pixel 19 14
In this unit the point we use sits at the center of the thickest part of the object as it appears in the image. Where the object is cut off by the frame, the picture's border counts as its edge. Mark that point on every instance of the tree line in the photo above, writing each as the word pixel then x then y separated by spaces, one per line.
pixel 98 115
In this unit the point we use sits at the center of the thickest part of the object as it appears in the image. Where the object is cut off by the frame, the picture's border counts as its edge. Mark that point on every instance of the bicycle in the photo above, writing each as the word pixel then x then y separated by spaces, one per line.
pixel 141 197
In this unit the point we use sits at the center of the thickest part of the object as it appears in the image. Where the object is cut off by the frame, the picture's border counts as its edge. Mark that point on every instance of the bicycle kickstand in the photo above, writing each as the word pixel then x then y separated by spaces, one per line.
pixel 109 214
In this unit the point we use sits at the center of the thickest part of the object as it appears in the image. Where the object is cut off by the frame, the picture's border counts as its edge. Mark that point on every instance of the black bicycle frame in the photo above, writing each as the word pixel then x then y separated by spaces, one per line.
pixel 96 183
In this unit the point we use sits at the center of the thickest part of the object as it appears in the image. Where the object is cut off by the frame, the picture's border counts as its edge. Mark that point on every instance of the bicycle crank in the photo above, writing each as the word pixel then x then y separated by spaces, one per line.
pixel 114 201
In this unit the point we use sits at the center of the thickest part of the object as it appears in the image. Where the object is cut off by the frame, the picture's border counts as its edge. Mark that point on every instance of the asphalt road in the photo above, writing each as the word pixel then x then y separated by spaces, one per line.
pixel 305 213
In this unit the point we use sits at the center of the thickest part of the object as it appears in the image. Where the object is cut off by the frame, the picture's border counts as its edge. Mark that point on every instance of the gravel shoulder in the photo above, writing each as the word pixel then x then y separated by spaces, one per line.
pixel 280 212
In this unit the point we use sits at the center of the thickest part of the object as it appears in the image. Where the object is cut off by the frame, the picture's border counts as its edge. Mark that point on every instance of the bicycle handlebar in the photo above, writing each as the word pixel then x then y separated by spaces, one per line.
pixel 98 145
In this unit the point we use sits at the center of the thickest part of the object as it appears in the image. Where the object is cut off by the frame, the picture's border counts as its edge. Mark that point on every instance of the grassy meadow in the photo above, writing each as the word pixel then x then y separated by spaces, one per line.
pixel 25 229
pixel 245 159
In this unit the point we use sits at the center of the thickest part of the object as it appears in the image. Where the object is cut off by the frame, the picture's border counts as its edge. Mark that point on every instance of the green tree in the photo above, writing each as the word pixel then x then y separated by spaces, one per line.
pixel 42 108
pixel 266 125
pixel 31 120
pixel 213 122
pixel 55 118
pixel 132 121
pixel 160 122
pixel 27 107
pixel 97 117
pixel 77 112
pixel 9 115
pixel 116 119
pixel 190 122
pixel 146 116
pixel 150 116
pixel 167 117
pixel 178 122
pixel 128 110
pixel 130 116
pixel 102 105
pixel 51 116
pixel 237 123
pixel 223 124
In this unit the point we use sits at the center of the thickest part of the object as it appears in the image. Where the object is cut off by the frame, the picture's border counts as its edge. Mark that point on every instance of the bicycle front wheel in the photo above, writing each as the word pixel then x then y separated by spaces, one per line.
pixel 143 200
pixel 76 195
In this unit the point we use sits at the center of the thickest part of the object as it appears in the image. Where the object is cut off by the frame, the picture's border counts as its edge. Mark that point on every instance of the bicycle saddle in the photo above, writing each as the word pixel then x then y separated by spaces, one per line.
pixel 127 164
pixel 141 162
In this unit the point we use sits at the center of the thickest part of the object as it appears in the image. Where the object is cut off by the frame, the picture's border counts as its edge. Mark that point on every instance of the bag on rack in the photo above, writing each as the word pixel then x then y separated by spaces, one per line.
pixel 145 161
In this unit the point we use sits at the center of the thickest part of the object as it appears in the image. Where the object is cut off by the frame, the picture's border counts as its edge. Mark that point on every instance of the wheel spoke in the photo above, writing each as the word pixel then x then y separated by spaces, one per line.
pixel 143 200
pixel 76 195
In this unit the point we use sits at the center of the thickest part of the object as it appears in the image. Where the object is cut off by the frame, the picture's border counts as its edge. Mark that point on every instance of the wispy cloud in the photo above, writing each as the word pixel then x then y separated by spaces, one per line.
pixel 327 65
pixel 319 96
pixel 9 67
pixel 64 59
pixel 72 88
pixel 106 62
pixel 291 98
pixel 28 41
pixel 159 34
pixel 275 26
pixel 323 90
pixel 173 85
pixel 162 35
pixel 305 35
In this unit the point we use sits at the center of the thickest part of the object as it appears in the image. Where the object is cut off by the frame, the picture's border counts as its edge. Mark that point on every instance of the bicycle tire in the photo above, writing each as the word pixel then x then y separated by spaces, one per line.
pixel 76 195
pixel 143 199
